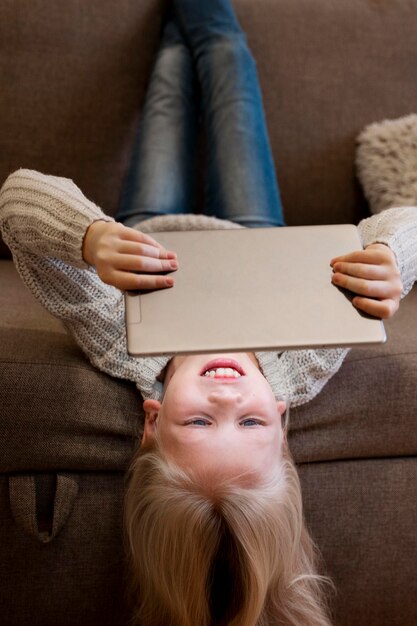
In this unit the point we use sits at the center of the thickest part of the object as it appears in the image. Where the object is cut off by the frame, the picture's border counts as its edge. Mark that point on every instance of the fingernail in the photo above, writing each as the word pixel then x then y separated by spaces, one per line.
pixel 171 255
pixel 174 265
pixel 169 282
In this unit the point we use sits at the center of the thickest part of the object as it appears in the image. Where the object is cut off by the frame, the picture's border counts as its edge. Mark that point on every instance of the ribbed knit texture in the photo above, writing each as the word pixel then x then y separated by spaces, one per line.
pixel 43 220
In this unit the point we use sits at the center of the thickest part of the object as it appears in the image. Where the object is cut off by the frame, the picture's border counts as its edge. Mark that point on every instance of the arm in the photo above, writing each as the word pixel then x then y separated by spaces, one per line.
pixel 43 219
pixel 46 216
pixel 386 270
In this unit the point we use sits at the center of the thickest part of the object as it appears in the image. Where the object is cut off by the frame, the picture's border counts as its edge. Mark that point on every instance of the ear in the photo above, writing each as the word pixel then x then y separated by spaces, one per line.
pixel 282 407
pixel 151 408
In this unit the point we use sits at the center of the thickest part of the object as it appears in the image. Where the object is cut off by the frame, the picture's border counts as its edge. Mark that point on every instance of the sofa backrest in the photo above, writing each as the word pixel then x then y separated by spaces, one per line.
pixel 74 75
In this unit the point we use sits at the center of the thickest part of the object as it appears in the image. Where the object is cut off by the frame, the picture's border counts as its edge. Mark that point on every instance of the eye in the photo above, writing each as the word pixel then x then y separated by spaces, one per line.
pixel 198 421
pixel 251 421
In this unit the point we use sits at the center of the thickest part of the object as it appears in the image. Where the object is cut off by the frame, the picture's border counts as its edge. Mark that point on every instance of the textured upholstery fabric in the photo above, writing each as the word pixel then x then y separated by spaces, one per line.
pixel 76 74
pixel 371 549
pixel 77 578
pixel 328 69
pixel 369 409
pixel 73 79
pixel 86 74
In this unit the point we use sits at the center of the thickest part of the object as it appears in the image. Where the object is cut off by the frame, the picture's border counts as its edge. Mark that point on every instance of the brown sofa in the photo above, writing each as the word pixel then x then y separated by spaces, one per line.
pixel 73 80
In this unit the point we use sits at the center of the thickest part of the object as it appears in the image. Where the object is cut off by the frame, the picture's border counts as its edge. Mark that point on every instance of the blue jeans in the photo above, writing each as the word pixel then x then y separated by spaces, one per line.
pixel 203 66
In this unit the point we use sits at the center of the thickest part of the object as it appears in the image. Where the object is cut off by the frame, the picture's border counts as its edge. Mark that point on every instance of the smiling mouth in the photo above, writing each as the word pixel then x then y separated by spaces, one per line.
pixel 224 369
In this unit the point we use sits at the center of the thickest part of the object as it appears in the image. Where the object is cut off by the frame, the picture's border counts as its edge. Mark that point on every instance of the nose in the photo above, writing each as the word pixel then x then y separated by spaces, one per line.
pixel 225 396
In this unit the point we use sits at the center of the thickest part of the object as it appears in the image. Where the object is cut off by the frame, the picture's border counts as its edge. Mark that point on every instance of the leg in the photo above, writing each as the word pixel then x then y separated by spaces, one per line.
pixel 242 182
pixel 160 178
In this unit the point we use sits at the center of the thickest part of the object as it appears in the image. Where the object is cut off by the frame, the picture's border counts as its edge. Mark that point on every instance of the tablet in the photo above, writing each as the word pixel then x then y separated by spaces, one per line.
pixel 250 289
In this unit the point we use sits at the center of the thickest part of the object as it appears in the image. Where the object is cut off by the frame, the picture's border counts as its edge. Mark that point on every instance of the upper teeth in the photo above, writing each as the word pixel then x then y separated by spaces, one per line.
pixel 222 371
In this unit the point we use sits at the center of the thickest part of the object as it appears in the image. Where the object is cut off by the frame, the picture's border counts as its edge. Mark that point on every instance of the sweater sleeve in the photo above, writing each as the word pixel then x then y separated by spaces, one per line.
pixel 397 228
pixel 46 216
pixel 43 220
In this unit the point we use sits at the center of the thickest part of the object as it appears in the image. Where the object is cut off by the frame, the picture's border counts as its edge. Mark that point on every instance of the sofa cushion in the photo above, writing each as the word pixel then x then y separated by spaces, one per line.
pixel 80 576
pixel 363 515
pixel 327 69
pixel 57 411
pixel 70 416
pixel 369 408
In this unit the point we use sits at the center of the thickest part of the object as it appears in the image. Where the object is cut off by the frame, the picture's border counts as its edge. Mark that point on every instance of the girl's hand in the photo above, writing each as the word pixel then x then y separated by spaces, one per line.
pixel 373 274
pixel 126 258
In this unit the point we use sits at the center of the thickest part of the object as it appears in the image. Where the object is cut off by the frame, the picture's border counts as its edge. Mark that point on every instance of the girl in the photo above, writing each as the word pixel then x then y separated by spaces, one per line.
pixel 214 518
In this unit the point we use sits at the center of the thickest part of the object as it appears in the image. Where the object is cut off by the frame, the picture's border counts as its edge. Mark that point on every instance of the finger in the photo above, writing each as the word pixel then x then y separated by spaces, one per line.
pixel 369 288
pixel 136 236
pixel 149 241
pixel 131 281
pixel 135 263
pixel 362 270
pixel 378 308
pixel 374 256
pixel 145 249
pixel 349 258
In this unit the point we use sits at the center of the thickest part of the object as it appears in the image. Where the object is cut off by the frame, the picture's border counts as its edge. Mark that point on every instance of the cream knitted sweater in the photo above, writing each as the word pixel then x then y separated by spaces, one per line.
pixel 43 220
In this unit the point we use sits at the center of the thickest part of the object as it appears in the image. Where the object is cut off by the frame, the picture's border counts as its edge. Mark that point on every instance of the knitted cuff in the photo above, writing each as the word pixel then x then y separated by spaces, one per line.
pixel 396 228
pixel 54 211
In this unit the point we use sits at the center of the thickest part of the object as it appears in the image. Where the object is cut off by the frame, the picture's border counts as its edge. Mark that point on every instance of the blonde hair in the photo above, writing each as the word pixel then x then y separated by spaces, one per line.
pixel 212 551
